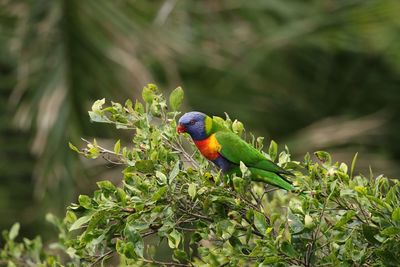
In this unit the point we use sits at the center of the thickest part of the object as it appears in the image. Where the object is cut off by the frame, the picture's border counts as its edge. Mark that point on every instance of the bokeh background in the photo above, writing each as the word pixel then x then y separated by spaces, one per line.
pixel 315 75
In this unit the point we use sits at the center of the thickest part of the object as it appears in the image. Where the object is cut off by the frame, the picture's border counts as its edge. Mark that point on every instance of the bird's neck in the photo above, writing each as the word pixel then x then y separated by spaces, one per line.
pixel 209 147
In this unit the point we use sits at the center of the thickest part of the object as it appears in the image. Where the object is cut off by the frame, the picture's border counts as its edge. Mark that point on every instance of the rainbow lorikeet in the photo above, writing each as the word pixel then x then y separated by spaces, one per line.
pixel 226 150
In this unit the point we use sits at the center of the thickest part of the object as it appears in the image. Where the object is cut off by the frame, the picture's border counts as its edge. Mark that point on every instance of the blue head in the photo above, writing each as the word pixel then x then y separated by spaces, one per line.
pixel 193 123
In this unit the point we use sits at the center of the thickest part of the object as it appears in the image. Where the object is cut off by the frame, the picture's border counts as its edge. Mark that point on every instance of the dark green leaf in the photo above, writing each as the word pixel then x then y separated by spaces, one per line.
pixel 369 232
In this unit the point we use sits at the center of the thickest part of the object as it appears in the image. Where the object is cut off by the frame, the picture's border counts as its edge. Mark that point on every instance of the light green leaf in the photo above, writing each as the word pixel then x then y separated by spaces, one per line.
pixel 343 167
pixel 176 98
pixel 244 170
pixel 353 164
pixel 106 185
pixel 273 150
pixel 260 222
pixel 121 195
pixel 237 127
pixel 147 95
pixel 74 148
pixel 174 172
pixel 80 222
pixel 160 193
pixel 14 231
pixel 174 238
pixel 192 190
pixel 161 177
pixel 396 214
pixel 308 221
pixel 117 147
pixel 85 201
pixel 98 105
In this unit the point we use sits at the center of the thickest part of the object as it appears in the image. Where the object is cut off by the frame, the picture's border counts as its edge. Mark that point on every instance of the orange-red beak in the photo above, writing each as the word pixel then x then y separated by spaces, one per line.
pixel 180 128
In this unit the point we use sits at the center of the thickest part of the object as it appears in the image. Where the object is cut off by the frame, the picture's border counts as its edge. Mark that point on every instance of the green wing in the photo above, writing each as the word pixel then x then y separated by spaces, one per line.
pixel 235 149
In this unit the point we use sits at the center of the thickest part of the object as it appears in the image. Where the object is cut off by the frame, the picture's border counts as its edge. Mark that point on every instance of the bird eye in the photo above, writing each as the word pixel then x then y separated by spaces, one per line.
pixel 192 122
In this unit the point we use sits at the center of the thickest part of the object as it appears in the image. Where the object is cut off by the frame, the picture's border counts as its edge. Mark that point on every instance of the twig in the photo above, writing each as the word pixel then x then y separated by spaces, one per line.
pixel 315 235
pixel 101 258
pixel 165 263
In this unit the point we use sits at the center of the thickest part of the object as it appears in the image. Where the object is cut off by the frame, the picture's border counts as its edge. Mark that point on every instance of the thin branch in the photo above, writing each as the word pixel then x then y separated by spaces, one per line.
pixel 165 263
pixel 100 258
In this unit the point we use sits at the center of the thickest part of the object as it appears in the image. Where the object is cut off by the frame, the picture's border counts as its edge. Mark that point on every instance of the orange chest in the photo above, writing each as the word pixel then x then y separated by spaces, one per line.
pixel 209 147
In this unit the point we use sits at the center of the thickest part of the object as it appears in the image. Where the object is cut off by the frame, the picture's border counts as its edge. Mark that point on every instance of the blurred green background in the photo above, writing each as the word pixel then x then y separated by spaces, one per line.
pixel 315 75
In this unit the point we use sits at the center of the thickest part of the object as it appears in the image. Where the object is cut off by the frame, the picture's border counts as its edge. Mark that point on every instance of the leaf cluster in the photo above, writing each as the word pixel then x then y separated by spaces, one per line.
pixel 170 195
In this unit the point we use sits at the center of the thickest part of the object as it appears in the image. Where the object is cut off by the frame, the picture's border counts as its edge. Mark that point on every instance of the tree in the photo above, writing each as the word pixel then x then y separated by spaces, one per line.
pixel 169 193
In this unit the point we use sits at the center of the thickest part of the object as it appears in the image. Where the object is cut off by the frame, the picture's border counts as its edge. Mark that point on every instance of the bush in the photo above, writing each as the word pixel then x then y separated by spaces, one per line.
pixel 169 193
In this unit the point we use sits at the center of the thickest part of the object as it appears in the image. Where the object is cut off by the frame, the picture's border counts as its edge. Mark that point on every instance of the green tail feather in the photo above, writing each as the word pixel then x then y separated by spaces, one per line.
pixel 259 175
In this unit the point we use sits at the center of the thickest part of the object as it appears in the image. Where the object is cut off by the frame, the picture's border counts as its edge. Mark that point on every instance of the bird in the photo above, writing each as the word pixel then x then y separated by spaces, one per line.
pixel 226 150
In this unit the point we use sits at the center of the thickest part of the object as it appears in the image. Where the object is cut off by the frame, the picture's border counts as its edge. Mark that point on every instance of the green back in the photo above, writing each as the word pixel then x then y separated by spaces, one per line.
pixel 235 149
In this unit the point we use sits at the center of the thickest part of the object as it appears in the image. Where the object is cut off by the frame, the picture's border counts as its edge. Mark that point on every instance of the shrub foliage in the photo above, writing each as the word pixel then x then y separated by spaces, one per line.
pixel 169 195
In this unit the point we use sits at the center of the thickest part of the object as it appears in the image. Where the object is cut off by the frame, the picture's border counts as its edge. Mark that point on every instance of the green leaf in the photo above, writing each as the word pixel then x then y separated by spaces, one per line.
pixel 160 193
pixel 259 142
pixel 308 221
pixel 14 231
pixel 260 222
pixel 162 179
pixel 353 164
pixel 273 150
pixel 192 190
pixel 174 172
pixel 237 127
pixel 117 147
pixel 174 238
pixel 106 186
pixel 324 157
pixel 74 148
pixel 235 241
pixel 347 192
pixel 369 232
pixel 80 222
pixel 176 98
pixel 345 218
pixel 98 105
pixel 128 251
pixel 343 167
pixel 238 184
pixel 121 196
pixel 135 239
pixel 396 215
pixel 288 249
pixel 267 261
pixel 295 223
pixel 147 95
pixel 85 201
pixel 144 166
pixel 180 255
pixel 244 170
pixel 390 231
